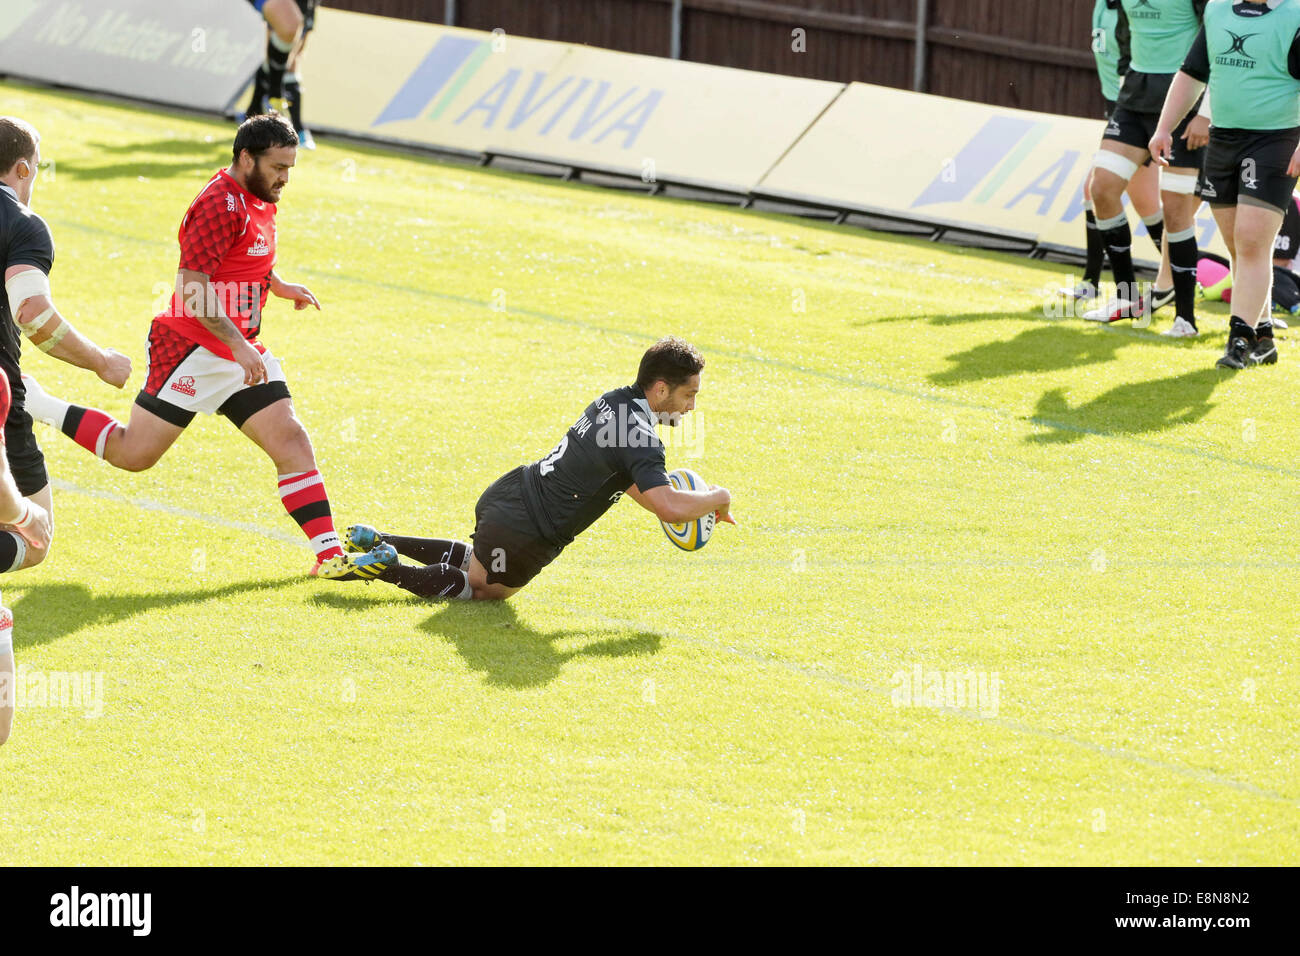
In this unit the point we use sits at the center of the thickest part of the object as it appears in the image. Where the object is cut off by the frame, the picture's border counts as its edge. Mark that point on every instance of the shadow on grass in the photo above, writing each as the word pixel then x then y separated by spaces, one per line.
pixel 47 612
pixel 492 639
pixel 188 157
pixel 1132 409
pixel 959 318
pixel 137 170
pixel 1047 348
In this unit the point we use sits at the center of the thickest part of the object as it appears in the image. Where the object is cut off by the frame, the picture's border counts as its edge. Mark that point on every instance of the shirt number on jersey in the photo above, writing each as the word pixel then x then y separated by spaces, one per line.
pixel 547 464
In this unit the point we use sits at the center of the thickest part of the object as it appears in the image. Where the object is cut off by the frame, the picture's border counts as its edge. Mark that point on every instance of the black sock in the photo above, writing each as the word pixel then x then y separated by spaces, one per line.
pixel 1182 262
pixel 429 580
pixel 277 59
pixel 1096 250
pixel 1117 236
pixel 293 93
pixel 12 551
pixel 1157 230
pixel 1238 327
pixel 431 550
pixel 259 91
pixel 1264 329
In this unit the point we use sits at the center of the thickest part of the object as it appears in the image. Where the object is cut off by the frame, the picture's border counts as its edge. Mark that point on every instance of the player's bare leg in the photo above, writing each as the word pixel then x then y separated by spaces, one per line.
pixel 135 446
pixel 1114 168
pixel 293 93
pixel 285 20
pixel 1242 227
pixel 278 432
pixel 1144 192
pixel 140 444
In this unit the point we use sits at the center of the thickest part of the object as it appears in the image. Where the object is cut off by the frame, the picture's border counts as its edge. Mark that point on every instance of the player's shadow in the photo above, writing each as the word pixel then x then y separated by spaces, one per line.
pixel 957 318
pixel 1136 408
pixel 47 612
pixel 489 636
pixel 1047 348
pixel 191 157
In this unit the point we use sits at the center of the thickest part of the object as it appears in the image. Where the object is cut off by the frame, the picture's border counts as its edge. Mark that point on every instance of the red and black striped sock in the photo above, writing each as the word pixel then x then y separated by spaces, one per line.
pixel 89 428
pixel 303 494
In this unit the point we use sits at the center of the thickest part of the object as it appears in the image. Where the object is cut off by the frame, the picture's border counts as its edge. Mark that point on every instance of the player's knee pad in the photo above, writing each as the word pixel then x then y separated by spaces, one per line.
pixel 1182 183
pixel 1121 166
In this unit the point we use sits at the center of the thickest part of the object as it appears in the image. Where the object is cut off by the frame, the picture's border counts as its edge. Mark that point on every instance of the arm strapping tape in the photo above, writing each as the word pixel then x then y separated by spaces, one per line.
pixel 25 285
pixel 55 337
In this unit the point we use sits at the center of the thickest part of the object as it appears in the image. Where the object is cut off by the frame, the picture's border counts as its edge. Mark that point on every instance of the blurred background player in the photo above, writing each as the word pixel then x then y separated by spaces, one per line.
pixel 1254 156
pixel 529 515
pixel 204 355
pixel 1153 37
pixel 27 258
pixel 278 85
pixel 1143 188
pixel 1286 284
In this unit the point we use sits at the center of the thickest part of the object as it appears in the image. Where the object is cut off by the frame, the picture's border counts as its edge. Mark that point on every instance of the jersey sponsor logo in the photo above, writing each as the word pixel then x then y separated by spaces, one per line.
pixel 185 385
pixel 260 247
pixel 1143 10
pixel 1230 57
pixel 1208 191
pixel 230 202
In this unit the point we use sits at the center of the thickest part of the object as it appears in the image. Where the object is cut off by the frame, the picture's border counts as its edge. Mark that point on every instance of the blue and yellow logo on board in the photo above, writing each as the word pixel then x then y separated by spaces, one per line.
pixel 548 104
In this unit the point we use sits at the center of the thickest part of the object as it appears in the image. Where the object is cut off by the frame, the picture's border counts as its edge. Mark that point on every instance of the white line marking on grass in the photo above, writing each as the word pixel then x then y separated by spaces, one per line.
pixel 146 504
pixel 810 673
pixel 818 674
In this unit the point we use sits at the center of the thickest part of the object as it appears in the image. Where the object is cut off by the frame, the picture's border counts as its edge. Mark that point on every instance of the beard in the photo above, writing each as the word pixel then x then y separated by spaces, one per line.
pixel 260 185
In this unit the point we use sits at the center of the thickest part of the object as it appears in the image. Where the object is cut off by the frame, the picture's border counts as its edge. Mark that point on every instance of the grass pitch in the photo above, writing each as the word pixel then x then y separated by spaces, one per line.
pixel 932 479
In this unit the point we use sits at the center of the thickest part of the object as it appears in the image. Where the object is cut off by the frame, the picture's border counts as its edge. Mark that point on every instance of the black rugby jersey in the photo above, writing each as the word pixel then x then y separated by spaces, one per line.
pixel 611 446
pixel 25 240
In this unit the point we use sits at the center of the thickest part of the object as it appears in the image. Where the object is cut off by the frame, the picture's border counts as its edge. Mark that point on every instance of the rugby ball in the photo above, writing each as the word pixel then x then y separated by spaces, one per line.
pixel 692 535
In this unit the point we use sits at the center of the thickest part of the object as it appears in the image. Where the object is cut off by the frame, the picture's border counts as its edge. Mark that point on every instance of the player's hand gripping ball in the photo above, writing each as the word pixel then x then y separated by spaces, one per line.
pixel 692 535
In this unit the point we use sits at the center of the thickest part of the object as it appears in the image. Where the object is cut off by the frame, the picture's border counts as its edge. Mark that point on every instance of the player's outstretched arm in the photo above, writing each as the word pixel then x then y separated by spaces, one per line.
pixel 33 310
pixel 299 294
pixel 677 506
pixel 201 301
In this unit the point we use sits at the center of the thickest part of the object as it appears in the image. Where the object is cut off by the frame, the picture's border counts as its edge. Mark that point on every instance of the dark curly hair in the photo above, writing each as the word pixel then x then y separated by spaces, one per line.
pixel 670 360
pixel 266 131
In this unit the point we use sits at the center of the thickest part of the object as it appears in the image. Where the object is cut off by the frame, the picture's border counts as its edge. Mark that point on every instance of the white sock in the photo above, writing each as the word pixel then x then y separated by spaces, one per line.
pixel 43 406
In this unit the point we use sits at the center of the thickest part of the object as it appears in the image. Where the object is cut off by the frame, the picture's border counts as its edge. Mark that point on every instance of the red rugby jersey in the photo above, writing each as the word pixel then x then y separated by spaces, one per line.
pixel 228 234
